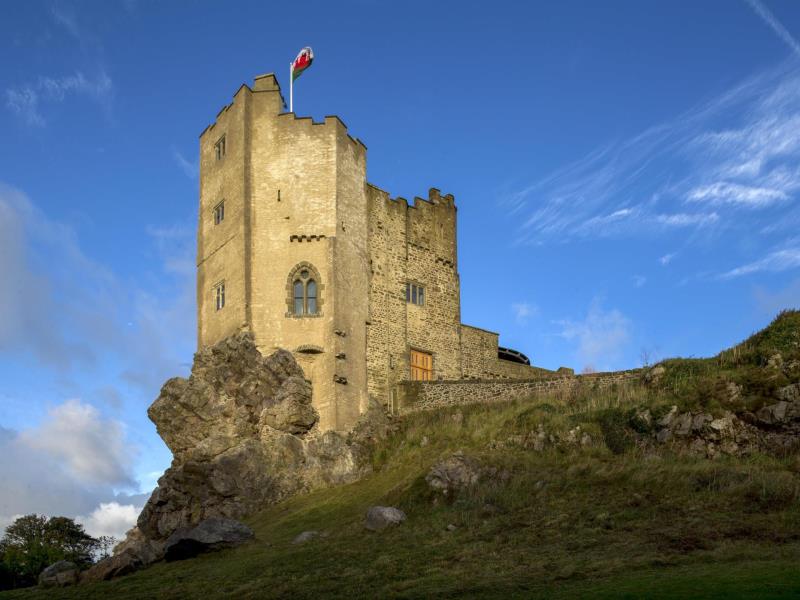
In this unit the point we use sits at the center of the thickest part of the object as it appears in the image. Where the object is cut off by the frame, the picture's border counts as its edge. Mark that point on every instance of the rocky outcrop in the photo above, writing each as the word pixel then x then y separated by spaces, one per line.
pixel 242 430
pixel 244 434
pixel 453 474
pixel 59 574
pixel 774 428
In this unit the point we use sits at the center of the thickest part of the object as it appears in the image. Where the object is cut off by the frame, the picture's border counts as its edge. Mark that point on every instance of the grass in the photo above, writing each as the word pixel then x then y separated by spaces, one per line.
pixel 567 522
pixel 604 520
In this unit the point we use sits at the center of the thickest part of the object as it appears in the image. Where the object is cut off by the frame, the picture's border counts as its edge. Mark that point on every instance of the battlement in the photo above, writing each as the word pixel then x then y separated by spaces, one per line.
pixel 268 83
pixel 434 199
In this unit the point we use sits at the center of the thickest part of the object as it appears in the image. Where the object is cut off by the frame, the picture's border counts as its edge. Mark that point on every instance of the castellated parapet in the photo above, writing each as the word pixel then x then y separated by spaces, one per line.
pixel 295 246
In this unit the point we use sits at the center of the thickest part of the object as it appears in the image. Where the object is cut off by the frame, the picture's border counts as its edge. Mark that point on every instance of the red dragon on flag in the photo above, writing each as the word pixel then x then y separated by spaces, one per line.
pixel 302 62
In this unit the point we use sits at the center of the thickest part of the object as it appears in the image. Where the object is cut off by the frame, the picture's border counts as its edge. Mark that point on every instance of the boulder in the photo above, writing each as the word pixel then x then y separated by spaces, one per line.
pixel 305 536
pixel 453 474
pixel 381 517
pixel 121 563
pixel 774 414
pixel 209 535
pixel 59 574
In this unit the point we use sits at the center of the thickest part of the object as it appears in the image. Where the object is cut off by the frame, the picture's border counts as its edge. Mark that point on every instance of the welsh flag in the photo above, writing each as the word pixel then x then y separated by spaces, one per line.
pixel 302 62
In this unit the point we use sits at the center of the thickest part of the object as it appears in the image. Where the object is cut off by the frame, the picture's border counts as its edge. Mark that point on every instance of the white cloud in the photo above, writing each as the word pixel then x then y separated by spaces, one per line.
pixel 600 337
pixel 26 100
pixel 55 478
pixel 734 193
pixel 523 311
pixel 666 259
pixel 190 168
pixel 70 311
pixel 641 186
pixel 91 448
pixel 110 518
pixel 639 280
pixel 779 260
pixel 687 220
pixel 767 16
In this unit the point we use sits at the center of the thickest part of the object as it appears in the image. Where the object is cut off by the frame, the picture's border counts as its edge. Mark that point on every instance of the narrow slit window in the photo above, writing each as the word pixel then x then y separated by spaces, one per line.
pixel 219 295
pixel 219 148
pixel 219 213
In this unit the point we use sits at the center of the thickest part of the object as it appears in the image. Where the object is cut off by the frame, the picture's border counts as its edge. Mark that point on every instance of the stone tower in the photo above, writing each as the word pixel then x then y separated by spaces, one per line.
pixel 282 197
pixel 295 246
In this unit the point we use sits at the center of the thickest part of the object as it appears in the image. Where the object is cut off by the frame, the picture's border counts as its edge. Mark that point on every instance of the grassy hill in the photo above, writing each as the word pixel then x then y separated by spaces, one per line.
pixel 609 517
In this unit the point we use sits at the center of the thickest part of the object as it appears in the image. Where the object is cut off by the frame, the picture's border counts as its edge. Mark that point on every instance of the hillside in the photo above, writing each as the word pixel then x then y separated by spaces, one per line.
pixel 577 495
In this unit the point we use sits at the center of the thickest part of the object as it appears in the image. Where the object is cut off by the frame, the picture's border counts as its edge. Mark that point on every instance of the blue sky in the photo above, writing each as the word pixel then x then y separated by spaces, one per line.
pixel 626 174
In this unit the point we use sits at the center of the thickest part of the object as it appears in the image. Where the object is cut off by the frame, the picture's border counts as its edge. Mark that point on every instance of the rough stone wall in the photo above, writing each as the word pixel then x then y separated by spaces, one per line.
pixel 417 244
pixel 221 248
pixel 416 396
pixel 296 196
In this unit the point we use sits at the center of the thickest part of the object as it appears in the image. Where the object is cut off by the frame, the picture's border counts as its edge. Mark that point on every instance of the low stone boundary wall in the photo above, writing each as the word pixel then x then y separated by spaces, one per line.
pixel 427 395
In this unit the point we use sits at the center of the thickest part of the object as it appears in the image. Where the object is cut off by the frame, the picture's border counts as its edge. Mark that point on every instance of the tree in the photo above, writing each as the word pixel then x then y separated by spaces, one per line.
pixel 33 542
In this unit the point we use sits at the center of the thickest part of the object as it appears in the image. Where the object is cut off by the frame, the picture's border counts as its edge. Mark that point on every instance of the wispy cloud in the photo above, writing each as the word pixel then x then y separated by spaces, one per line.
pixel 779 260
pixel 733 193
pixel 639 280
pixel 666 259
pixel 687 219
pixel 190 168
pixel 600 337
pixel 26 100
pixel 781 31
pixel 524 311
pixel 649 184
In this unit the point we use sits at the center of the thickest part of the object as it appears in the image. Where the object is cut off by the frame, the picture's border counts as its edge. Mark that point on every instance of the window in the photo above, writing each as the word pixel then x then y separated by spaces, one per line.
pixel 219 148
pixel 219 295
pixel 421 366
pixel 415 294
pixel 304 293
pixel 219 213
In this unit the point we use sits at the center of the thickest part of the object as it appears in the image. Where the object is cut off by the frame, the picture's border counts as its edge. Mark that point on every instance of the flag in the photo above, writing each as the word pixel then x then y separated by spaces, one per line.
pixel 302 62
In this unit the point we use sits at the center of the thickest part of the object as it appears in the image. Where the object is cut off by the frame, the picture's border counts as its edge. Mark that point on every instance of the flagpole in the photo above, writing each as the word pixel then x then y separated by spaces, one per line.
pixel 291 88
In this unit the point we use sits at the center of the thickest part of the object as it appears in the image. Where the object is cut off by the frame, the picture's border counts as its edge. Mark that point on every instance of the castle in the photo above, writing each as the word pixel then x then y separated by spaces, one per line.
pixel 295 246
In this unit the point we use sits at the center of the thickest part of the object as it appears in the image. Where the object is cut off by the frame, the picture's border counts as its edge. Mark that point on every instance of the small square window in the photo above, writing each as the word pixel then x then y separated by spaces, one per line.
pixel 219 295
pixel 219 148
pixel 219 213
pixel 415 294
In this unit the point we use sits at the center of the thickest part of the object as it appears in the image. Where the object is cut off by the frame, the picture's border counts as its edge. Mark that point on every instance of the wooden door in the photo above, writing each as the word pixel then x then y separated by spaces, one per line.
pixel 421 366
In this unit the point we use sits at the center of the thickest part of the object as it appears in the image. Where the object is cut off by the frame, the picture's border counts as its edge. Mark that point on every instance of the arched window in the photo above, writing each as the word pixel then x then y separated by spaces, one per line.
pixel 304 289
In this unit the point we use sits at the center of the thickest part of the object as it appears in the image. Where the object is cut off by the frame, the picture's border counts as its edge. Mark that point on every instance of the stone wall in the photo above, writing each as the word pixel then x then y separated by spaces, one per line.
pixel 479 358
pixel 411 243
pixel 416 395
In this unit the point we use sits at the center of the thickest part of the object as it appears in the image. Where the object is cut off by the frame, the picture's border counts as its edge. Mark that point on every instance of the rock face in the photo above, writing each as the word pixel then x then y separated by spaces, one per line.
pixel 241 429
pixel 59 574
pixel 381 517
pixel 243 433
pixel 209 535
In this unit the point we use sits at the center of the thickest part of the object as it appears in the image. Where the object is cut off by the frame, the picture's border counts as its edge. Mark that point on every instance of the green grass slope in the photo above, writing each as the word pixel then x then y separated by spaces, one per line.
pixel 609 519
